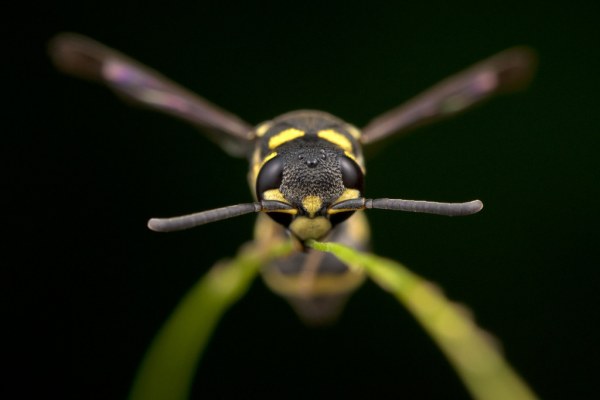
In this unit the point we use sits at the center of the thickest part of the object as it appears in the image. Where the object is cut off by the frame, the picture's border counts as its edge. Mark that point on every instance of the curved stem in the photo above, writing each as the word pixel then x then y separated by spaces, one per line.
pixel 468 348
pixel 167 370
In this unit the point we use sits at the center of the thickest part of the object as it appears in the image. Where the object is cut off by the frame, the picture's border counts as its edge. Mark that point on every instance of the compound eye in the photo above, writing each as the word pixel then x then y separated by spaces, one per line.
pixel 270 176
pixel 352 175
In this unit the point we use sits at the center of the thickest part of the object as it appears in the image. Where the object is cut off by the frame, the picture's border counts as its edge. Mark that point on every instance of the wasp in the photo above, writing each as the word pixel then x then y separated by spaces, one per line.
pixel 307 167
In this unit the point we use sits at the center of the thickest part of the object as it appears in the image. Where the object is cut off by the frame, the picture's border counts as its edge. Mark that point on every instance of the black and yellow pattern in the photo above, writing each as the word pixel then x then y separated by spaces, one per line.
pixel 306 167
pixel 309 160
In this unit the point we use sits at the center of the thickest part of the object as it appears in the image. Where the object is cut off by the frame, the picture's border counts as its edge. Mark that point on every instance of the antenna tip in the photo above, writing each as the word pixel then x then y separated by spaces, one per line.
pixel 476 206
pixel 154 224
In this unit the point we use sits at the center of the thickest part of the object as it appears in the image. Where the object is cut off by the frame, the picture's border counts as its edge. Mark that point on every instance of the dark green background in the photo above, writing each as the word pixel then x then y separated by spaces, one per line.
pixel 85 172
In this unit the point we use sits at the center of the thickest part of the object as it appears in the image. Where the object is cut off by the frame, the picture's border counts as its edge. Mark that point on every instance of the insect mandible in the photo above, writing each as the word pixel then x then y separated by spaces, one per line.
pixel 306 167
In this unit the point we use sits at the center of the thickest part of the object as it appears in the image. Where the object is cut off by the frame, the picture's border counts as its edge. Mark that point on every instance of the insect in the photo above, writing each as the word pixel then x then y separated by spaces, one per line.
pixel 306 167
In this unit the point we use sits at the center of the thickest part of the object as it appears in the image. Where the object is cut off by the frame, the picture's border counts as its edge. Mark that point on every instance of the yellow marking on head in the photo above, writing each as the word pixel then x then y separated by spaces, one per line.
pixel 348 194
pixel 275 194
pixel 338 210
pixel 263 128
pixel 267 158
pixel 336 138
pixel 312 204
pixel 291 211
pixel 341 210
pixel 351 156
pixel 353 131
pixel 310 228
pixel 284 137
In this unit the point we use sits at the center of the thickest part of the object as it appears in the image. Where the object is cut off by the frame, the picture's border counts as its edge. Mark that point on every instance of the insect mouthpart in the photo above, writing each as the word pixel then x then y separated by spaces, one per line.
pixel 305 228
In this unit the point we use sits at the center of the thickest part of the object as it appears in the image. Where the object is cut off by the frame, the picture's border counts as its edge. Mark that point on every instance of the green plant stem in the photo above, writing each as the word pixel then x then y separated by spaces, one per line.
pixel 167 371
pixel 469 349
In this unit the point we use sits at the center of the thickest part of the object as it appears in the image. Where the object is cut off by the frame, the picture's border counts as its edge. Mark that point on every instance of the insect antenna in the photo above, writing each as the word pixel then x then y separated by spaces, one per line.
pixel 419 206
pixel 428 207
pixel 218 214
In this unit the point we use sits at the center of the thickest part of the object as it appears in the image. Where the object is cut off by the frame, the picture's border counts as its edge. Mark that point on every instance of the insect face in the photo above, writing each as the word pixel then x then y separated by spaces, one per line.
pixel 308 162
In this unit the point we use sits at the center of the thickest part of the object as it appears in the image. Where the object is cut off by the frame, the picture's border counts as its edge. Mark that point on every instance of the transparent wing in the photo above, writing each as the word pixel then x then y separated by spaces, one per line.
pixel 83 57
pixel 509 70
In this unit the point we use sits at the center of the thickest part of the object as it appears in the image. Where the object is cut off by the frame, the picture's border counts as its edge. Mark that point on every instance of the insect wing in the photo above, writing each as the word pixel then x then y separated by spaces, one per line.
pixel 507 71
pixel 86 58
